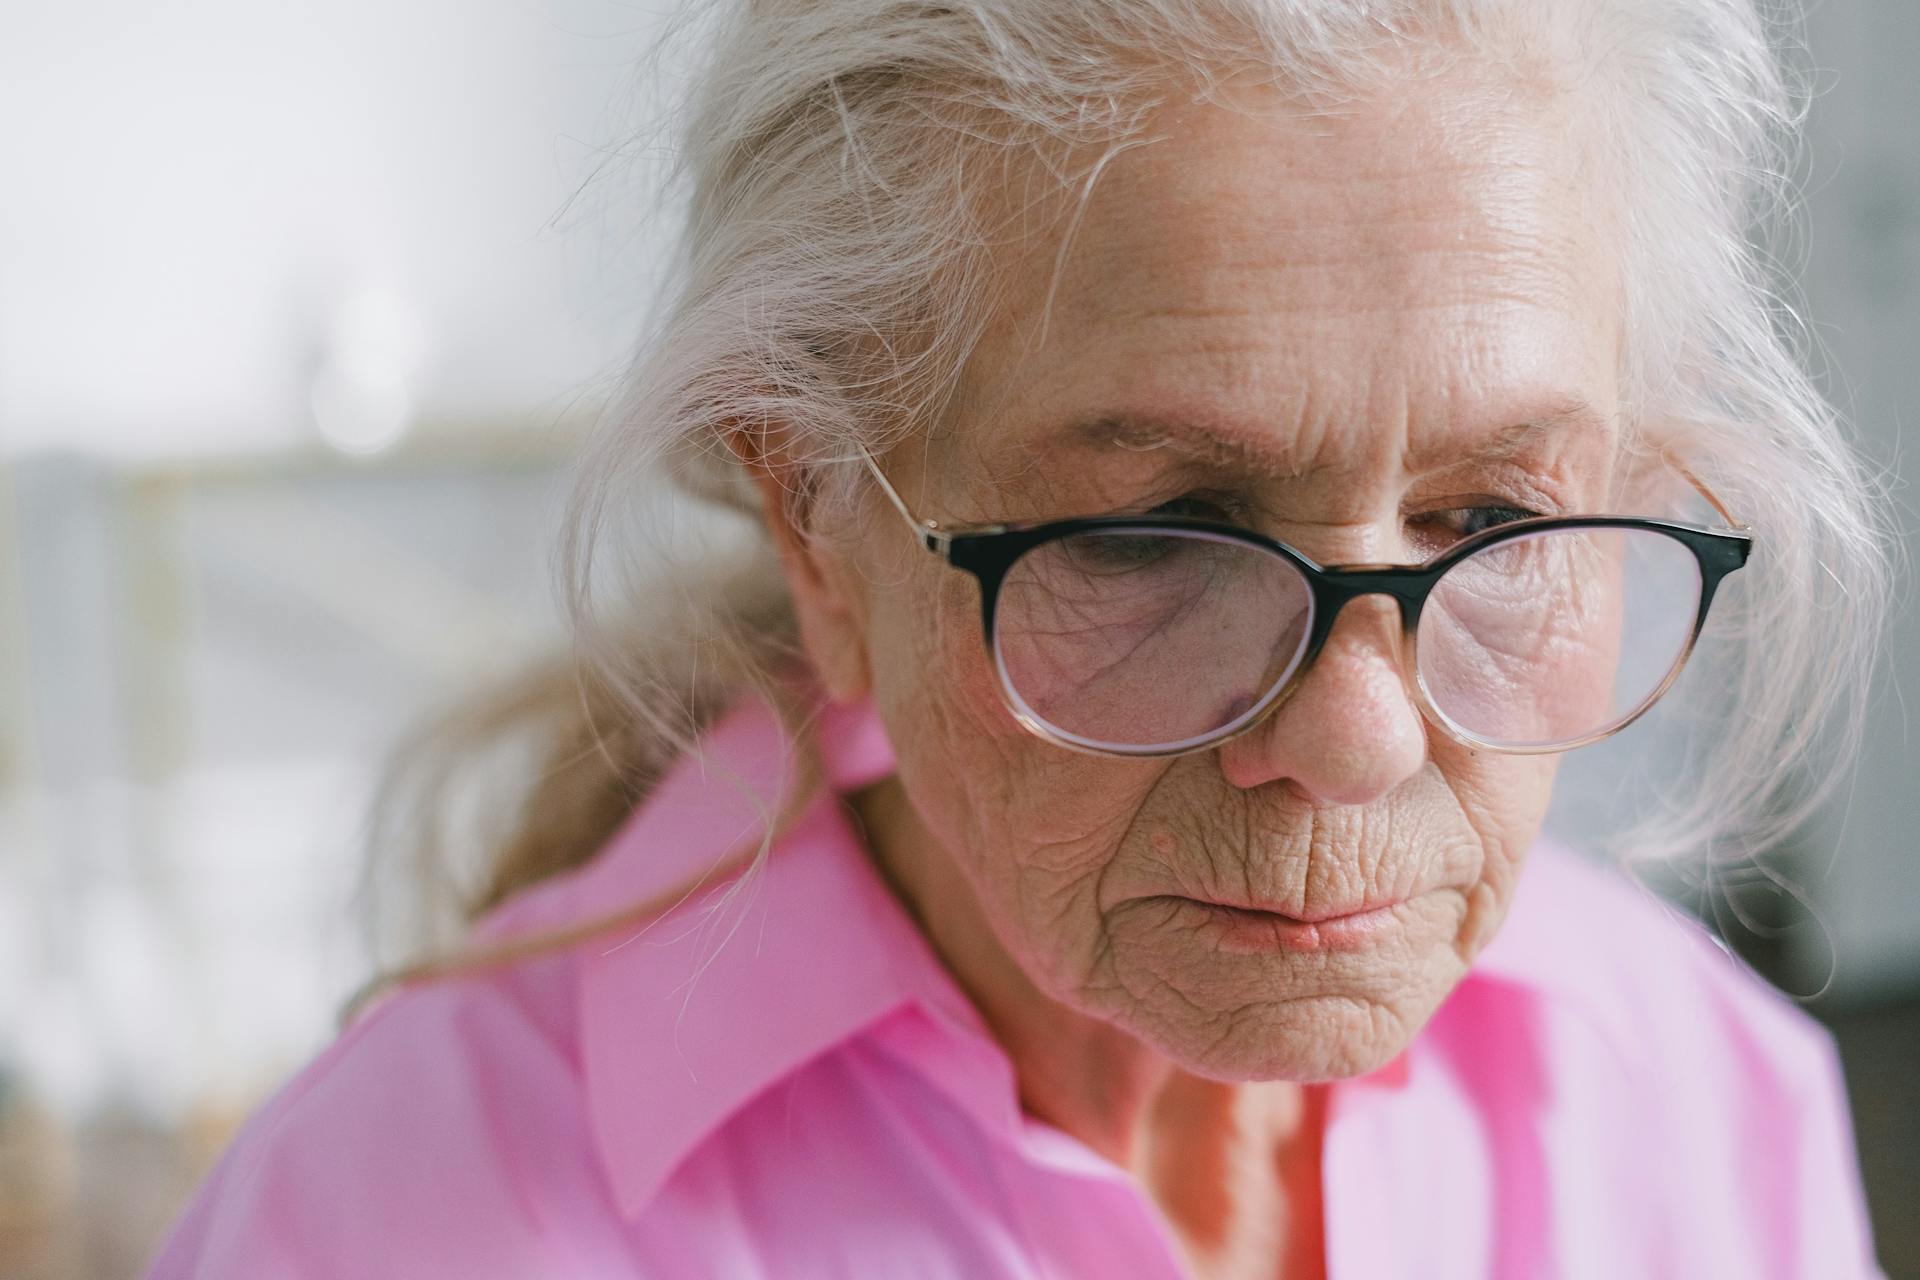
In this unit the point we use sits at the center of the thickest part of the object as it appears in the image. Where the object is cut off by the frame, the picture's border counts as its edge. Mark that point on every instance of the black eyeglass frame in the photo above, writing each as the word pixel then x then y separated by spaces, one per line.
pixel 989 551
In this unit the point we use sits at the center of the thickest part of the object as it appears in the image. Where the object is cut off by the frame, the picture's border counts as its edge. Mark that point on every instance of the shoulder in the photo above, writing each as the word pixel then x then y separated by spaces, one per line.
pixel 433 1136
pixel 1711 1090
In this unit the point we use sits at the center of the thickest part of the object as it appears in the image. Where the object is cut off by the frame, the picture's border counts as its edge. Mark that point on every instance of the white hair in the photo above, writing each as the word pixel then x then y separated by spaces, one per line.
pixel 833 278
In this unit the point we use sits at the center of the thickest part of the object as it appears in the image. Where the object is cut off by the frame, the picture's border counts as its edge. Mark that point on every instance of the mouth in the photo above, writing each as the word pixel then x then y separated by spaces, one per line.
pixel 1251 930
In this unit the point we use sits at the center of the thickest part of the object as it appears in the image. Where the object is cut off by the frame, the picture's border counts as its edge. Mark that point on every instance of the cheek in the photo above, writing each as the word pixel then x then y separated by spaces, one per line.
pixel 934 683
pixel 1503 799
pixel 1032 826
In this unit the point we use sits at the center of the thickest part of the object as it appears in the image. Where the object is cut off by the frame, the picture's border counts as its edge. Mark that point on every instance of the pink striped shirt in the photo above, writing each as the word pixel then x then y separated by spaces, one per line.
pixel 791 1085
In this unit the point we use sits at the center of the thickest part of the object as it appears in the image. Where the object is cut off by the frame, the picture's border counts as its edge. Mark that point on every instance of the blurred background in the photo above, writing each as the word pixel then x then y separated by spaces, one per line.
pixel 303 309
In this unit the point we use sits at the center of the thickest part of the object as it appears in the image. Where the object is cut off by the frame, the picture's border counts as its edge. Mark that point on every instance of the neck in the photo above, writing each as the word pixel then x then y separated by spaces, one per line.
pixel 1207 1150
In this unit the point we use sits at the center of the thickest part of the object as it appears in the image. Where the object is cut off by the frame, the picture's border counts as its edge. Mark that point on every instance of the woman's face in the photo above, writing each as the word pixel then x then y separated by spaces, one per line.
pixel 1348 331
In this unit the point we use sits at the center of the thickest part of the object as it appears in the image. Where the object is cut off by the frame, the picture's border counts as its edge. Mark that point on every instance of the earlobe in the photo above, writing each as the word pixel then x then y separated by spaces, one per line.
pixel 825 599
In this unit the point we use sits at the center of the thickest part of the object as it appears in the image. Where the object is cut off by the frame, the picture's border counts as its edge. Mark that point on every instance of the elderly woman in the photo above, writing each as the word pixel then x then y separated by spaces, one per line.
pixel 1209 458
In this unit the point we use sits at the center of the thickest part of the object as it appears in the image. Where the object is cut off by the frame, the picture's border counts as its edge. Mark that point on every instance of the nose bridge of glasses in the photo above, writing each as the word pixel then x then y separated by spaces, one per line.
pixel 1337 586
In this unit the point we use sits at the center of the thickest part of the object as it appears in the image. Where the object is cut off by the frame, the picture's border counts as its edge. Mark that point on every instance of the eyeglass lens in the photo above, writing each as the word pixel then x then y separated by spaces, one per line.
pixel 1162 639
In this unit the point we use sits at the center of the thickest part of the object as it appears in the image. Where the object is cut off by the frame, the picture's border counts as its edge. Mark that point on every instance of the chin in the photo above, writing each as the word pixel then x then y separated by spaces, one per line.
pixel 1328 1015
pixel 1304 1040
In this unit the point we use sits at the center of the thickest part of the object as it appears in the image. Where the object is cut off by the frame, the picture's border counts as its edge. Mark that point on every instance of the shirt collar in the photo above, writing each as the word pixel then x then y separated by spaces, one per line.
pixel 687 1017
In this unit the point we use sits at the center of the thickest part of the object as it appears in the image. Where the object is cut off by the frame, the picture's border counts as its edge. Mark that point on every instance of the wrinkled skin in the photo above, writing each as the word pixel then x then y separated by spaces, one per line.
pixel 1364 309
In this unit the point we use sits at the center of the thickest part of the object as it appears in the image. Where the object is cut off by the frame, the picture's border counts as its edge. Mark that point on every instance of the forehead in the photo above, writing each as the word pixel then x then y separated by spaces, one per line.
pixel 1398 283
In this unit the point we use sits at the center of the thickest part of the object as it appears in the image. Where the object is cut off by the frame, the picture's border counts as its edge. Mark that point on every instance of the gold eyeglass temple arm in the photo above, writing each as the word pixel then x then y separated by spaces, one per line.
pixel 929 532
pixel 1713 499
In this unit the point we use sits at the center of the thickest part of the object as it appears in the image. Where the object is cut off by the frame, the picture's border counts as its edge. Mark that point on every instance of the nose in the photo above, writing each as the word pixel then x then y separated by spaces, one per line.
pixel 1349 733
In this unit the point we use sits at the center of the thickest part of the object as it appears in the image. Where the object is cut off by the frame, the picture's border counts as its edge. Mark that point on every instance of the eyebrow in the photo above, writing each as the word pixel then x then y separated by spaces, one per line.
pixel 1148 434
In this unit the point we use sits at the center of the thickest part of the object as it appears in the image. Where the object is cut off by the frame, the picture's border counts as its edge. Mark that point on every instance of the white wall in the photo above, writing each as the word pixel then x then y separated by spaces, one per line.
pixel 194 194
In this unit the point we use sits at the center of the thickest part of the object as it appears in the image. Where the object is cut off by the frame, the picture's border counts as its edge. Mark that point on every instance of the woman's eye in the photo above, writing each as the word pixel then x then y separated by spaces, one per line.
pixel 1464 522
pixel 1195 506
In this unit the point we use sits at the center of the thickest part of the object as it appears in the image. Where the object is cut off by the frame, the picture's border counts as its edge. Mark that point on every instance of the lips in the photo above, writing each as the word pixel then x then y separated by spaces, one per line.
pixel 1253 930
pixel 1302 917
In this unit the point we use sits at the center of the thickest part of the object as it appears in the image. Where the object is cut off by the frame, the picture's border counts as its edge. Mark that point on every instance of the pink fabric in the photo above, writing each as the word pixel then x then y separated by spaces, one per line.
pixel 788 1084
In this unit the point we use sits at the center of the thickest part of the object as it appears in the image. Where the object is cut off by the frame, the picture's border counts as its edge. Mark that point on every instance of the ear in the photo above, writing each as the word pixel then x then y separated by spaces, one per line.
pixel 826 589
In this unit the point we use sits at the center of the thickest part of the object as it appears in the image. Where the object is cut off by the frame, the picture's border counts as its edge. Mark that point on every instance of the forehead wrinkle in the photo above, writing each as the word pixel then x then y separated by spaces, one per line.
pixel 1191 443
pixel 1572 420
pixel 1269 457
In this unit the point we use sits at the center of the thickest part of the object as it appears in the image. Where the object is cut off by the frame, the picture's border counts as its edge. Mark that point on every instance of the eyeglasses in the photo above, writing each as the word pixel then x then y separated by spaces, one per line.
pixel 1161 635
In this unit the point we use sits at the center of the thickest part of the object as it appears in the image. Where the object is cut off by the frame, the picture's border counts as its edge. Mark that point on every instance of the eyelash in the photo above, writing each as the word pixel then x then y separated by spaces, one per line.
pixel 1211 507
